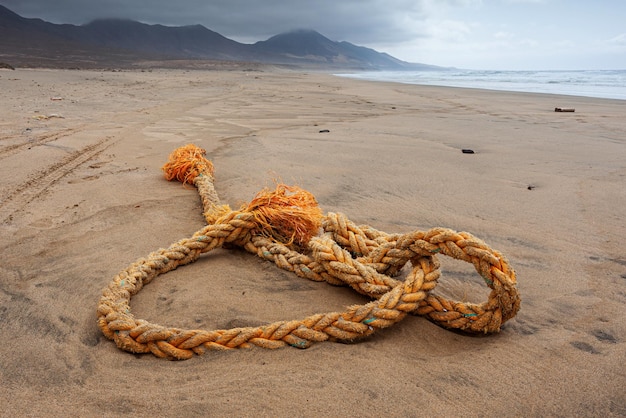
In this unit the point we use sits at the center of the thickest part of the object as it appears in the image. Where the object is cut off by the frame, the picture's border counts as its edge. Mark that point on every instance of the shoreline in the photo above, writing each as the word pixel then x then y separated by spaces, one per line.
pixel 83 196
pixel 252 67
pixel 533 85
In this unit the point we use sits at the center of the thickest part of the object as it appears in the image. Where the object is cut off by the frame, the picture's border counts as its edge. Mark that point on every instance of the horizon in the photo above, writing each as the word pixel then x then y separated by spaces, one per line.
pixel 507 35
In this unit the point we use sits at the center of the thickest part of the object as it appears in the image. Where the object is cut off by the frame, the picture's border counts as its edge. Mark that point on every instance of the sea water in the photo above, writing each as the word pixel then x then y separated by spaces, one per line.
pixel 608 84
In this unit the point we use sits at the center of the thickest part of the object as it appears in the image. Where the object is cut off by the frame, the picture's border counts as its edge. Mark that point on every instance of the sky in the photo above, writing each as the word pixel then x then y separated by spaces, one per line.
pixel 469 34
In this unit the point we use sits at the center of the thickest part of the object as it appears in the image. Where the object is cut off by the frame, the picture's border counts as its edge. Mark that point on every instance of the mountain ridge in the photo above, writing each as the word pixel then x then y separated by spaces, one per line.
pixel 26 41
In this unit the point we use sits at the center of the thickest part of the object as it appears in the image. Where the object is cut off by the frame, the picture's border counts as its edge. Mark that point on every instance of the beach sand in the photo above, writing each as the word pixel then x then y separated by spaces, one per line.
pixel 83 196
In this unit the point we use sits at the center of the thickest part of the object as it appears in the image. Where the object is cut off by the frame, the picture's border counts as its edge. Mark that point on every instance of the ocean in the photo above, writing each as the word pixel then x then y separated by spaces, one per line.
pixel 608 84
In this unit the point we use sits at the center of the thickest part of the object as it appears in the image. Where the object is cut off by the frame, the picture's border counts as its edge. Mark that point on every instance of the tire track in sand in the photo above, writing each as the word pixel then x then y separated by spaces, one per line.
pixel 40 140
pixel 20 196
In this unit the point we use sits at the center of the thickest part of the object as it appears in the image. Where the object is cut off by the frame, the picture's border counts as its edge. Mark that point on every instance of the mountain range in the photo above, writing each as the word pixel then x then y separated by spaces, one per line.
pixel 119 42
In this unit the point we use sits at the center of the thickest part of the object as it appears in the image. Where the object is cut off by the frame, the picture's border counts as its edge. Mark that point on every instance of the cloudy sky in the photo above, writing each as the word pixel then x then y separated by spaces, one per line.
pixel 475 34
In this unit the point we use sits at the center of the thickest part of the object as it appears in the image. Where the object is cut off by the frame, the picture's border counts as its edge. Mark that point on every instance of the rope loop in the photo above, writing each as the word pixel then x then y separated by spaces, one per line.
pixel 286 227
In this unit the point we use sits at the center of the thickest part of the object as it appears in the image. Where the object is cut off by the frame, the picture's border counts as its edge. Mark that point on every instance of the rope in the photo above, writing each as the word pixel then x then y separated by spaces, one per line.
pixel 287 227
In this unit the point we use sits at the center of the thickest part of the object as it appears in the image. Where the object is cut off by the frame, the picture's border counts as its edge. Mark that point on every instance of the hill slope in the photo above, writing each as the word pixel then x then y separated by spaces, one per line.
pixel 26 41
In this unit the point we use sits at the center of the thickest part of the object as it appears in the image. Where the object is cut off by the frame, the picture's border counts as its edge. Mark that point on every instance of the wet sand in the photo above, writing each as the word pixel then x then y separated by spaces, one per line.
pixel 82 196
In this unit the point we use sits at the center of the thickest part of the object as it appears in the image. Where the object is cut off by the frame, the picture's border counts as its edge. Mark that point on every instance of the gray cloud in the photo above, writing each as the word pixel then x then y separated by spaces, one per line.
pixel 358 21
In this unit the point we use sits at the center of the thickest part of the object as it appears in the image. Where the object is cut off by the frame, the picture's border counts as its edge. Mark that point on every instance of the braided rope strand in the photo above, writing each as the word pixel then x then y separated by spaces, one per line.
pixel 360 257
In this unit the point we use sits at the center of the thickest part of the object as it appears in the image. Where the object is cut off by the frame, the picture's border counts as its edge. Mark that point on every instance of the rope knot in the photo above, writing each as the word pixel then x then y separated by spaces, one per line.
pixel 286 226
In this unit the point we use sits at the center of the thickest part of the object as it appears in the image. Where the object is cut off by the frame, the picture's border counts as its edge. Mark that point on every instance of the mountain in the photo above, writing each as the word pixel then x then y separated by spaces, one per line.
pixel 106 42
pixel 186 41
pixel 34 42
pixel 312 47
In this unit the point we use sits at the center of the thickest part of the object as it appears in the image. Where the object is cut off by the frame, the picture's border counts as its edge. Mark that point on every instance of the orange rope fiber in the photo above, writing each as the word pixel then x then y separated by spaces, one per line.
pixel 186 163
pixel 287 227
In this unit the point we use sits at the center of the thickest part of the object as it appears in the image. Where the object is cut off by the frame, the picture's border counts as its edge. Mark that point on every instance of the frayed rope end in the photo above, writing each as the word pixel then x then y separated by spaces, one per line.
pixel 186 163
pixel 288 214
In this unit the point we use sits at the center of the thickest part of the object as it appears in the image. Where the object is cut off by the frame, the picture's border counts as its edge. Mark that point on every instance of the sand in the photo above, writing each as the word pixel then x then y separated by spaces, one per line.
pixel 82 196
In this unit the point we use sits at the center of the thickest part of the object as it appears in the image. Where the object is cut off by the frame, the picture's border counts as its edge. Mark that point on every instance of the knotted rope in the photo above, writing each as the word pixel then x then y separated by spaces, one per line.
pixel 287 227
